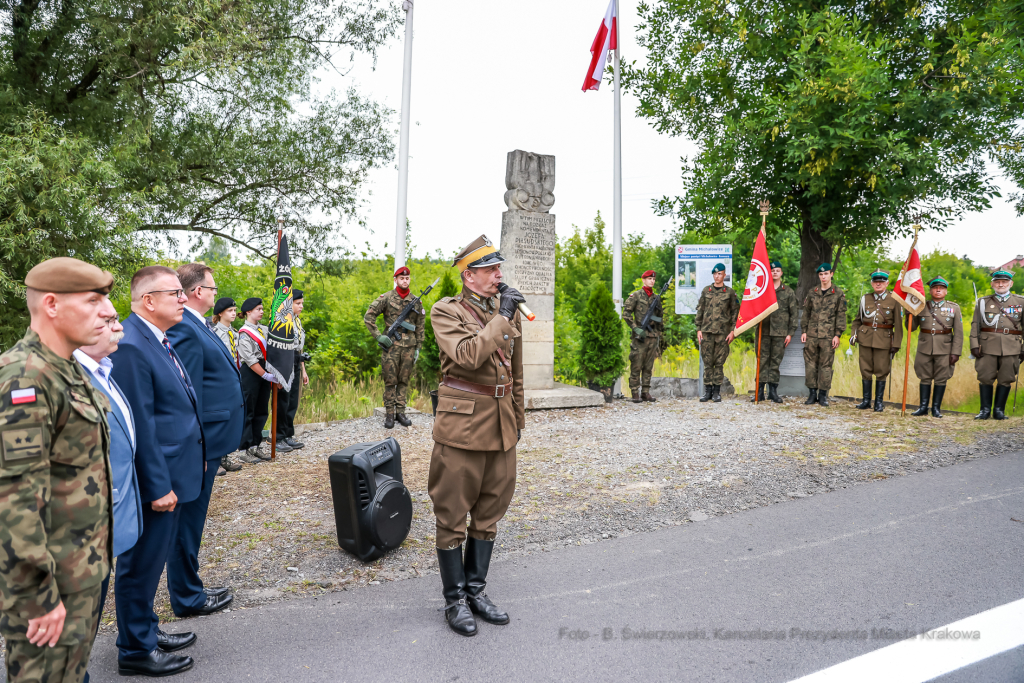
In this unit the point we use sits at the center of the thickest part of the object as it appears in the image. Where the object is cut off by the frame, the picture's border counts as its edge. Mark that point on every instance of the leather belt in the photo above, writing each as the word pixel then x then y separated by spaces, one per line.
pixel 1003 330
pixel 878 327
pixel 936 331
pixel 495 390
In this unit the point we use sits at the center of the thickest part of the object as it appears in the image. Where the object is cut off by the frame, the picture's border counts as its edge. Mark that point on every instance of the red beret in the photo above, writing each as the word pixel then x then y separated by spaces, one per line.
pixel 648 273
pixel 402 271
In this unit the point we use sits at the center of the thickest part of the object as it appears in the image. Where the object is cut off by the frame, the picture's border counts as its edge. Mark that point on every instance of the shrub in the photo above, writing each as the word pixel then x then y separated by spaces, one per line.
pixel 601 359
pixel 428 367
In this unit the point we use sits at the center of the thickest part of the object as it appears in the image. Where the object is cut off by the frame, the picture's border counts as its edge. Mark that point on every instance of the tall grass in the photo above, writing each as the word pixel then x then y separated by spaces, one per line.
pixel 326 400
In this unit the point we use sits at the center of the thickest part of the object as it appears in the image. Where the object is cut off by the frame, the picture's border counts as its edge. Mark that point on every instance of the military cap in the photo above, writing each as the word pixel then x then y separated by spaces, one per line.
pixel 998 275
pixel 776 264
pixel 400 271
pixel 879 276
pixel 824 267
pixel 63 275
pixel 297 295
pixel 250 304
pixel 223 304
pixel 938 282
pixel 480 252
pixel 718 267
pixel 648 273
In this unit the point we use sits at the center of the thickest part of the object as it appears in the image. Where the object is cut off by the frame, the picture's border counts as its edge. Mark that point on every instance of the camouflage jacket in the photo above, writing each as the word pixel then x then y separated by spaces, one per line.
pixel 635 309
pixel 390 305
pixel 717 310
pixel 824 313
pixel 783 322
pixel 56 514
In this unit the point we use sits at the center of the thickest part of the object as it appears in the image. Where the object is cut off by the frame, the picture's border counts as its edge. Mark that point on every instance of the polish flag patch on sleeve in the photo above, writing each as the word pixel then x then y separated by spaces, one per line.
pixel 19 396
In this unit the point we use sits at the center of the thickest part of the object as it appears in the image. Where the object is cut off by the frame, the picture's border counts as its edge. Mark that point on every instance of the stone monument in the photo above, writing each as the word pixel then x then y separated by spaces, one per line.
pixel 528 245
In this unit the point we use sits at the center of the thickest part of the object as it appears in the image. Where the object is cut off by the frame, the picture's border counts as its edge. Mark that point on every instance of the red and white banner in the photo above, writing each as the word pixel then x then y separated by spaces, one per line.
pixel 909 289
pixel 759 300
pixel 606 40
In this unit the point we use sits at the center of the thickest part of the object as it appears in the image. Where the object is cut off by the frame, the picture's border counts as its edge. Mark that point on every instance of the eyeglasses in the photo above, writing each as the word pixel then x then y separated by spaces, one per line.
pixel 178 293
pixel 205 287
pixel 112 320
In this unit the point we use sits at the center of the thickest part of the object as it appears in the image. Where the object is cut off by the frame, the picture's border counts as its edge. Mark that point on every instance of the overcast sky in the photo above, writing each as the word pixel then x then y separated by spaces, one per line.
pixel 491 77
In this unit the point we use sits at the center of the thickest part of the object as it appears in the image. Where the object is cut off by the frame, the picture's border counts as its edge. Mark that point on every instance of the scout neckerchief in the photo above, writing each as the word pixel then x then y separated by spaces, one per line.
pixel 255 338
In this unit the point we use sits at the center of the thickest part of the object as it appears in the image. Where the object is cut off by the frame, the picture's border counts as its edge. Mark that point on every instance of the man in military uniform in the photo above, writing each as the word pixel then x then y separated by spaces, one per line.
pixel 824 322
pixel 877 331
pixel 776 333
pixel 996 343
pixel 56 510
pixel 478 422
pixel 717 310
pixel 398 356
pixel 939 344
pixel 646 343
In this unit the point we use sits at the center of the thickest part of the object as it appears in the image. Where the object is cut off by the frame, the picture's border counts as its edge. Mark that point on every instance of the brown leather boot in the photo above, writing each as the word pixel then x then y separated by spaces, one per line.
pixel 635 393
pixel 645 396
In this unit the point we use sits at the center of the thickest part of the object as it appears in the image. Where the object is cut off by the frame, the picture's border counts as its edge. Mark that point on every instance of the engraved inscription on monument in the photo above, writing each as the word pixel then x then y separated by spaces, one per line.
pixel 531 249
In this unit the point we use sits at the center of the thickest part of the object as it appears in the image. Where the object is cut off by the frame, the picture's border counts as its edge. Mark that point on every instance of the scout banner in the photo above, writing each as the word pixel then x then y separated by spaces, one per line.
pixel 759 299
pixel 281 339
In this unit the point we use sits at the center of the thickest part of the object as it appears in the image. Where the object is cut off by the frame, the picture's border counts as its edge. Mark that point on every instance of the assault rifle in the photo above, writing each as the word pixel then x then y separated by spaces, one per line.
pixel 655 307
pixel 395 331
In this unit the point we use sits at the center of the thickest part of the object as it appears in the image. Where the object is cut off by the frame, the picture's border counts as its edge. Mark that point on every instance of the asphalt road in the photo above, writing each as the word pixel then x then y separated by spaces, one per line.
pixel 889 558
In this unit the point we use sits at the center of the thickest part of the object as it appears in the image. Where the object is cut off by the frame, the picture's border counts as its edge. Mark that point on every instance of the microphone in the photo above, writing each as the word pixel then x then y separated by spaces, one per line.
pixel 527 313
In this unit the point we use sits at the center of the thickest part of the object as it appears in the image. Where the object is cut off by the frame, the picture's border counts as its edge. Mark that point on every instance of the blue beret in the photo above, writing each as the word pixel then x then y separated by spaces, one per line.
pixel 823 267
pixel 718 267
pixel 1002 275
pixel 938 281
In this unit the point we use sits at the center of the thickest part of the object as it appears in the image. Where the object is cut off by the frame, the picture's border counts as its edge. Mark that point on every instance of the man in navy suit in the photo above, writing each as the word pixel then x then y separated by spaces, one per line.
pixel 214 376
pixel 169 459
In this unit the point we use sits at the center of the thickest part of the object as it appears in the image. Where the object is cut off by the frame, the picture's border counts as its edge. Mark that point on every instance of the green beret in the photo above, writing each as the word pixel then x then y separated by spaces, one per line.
pixel 718 267
pixel 63 275
pixel 823 267
pixel 776 264
pixel 880 275
pixel 1002 275
pixel 938 282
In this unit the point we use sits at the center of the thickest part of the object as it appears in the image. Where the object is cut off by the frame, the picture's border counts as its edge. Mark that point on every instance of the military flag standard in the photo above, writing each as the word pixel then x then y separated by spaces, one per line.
pixel 909 289
pixel 759 300
pixel 281 338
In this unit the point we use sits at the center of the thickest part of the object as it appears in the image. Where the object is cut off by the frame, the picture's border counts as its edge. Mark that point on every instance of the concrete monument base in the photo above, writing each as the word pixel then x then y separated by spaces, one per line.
pixel 683 387
pixel 379 410
pixel 790 385
pixel 562 396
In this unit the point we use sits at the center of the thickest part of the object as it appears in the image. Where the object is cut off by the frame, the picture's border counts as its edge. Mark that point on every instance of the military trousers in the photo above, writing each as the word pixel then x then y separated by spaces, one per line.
pixel 772 351
pixel 929 368
pixel 396 366
pixel 477 483
pixel 992 368
pixel 642 354
pixel 714 351
pixel 818 358
pixel 873 362
pixel 65 663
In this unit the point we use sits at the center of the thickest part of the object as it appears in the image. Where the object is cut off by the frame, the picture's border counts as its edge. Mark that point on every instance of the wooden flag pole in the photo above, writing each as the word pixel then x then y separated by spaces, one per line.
pixel 910 329
pixel 273 398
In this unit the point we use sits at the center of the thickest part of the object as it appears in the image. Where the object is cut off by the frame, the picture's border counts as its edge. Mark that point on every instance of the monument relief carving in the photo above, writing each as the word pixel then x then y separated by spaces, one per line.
pixel 530 181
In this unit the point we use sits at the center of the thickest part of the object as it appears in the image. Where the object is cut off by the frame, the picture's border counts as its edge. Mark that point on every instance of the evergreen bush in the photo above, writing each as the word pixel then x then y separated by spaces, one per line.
pixel 428 367
pixel 601 360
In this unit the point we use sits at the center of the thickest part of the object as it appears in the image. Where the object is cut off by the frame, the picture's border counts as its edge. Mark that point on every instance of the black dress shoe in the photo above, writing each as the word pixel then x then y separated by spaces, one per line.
pixel 214 603
pixel 216 590
pixel 172 642
pixel 155 664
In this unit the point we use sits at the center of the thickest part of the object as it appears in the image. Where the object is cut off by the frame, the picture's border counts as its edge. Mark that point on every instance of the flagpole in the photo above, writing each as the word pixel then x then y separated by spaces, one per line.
pixel 617 181
pixel 273 399
pixel 403 144
pixel 910 329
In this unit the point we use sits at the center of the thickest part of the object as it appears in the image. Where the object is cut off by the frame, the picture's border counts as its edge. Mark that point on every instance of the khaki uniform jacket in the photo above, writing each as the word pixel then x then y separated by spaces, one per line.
pixel 468 352
pixel 783 322
pixel 943 316
pixel 1008 315
pixel 717 310
pixel 824 313
pixel 872 313
pixel 391 305
pixel 635 309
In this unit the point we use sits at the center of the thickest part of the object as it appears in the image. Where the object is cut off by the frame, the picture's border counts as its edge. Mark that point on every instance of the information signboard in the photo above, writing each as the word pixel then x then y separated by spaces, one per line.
pixel 693 272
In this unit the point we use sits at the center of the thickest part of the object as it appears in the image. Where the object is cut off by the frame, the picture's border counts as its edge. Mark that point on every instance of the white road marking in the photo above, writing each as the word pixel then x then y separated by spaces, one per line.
pixel 936 652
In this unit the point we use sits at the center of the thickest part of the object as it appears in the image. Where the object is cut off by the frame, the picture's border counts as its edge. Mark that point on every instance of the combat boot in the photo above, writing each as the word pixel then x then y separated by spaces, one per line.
pixel 401 419
pixel 999 411
pixel 812 397
pixel 879 393
pixel 760 393
pixel 259 452
pixel 937 400
pixel 389 421
pixel 707 394
pixel 865 387
pixel 986 401
pixel 646 396
pixel 635 393
pixel 716 393
pixel 453 587
pixel 823 398
pixel 478 559
pixel 229 464
pixel 773 393
pixel 926 395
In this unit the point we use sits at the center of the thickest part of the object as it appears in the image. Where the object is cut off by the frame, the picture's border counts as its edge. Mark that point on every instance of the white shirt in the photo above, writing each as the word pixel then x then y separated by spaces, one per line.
pixel 101 371
pixel 196 314
pixel 157 332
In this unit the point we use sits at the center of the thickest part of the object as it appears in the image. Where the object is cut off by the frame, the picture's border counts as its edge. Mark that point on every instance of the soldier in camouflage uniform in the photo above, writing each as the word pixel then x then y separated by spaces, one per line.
pixel 398 356
pixel 646 344
pixel 777 332
pixel 56 511
pixel 877 333
pixel 824 322
pixel 717 310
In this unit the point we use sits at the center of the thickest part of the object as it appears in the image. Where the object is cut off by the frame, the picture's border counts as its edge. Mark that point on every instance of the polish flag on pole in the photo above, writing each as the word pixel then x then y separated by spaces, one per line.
pixel 605 41
pixel 759 299
pixel 909 289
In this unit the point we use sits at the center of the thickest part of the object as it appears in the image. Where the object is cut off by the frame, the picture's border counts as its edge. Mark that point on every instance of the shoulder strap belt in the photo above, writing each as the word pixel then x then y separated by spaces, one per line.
pixel 259 342
pixel 501 354
pixel 1004 330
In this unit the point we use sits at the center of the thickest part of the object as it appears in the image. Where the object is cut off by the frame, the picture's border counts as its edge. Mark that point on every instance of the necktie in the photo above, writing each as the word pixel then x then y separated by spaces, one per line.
pixel 167 345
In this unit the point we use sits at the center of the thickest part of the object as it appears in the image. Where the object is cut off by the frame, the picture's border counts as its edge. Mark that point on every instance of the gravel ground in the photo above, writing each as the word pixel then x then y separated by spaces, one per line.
pixel 583 475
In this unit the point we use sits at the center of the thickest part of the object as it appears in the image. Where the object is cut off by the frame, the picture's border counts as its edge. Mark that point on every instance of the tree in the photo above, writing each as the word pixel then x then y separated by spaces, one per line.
pixel 601 359
pixel 852 117
pixel 429 364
